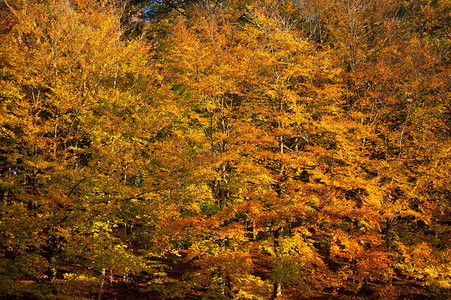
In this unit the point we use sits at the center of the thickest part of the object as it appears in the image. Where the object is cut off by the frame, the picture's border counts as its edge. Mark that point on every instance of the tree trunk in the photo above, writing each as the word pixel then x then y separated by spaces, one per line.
pixel 277 289
pixel 102 283
pixel 388 228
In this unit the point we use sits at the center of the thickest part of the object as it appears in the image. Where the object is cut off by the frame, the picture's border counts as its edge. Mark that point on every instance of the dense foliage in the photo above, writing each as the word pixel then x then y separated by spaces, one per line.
pixel 225 149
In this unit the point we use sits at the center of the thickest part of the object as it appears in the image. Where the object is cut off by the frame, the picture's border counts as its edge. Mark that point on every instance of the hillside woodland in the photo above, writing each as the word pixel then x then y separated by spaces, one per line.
pixel 225 149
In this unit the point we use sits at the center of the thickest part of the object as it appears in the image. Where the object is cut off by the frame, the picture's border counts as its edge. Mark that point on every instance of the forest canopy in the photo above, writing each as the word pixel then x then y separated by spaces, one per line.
pixel 225 149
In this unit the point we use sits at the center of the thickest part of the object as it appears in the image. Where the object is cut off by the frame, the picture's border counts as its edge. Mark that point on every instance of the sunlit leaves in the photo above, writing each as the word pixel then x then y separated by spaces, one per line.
pixel 237 146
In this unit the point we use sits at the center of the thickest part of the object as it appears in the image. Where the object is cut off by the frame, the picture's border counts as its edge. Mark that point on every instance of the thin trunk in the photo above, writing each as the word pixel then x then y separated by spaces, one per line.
pixel 56 133
pixel 388 228
pixel 277 290
pixel 102 283
pixel 277 287
pixel 53 271
pixel 53 252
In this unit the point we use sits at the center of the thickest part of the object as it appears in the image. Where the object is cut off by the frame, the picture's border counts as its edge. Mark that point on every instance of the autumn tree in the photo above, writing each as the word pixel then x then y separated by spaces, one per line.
pixel 394 80
pixel 228 149
pixel 75 172
pixel 317 141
